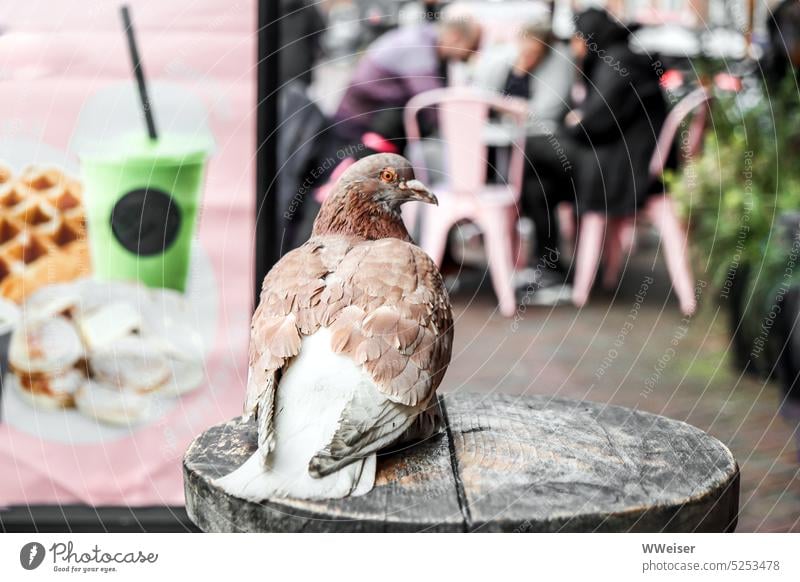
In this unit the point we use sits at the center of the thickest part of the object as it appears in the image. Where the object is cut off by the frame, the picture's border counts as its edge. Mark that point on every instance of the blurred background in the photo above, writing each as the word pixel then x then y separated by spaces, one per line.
pixel 652 231
pixel 618 220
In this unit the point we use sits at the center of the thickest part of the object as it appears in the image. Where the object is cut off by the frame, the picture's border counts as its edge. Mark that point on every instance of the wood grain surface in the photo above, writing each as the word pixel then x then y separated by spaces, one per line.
pixel 502 463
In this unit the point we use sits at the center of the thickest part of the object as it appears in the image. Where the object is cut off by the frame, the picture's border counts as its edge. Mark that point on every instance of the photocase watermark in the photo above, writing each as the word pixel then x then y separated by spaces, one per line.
pixel 549 261
pixel 65 558
pixel 627 327
pixel 31 555
pixel 601 53
pixel 680 333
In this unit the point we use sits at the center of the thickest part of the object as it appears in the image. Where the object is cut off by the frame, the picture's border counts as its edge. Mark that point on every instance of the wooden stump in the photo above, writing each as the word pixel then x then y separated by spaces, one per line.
pixel 504 463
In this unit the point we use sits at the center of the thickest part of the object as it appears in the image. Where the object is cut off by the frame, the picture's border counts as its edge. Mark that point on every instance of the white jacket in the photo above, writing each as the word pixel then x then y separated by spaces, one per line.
pixel 550 82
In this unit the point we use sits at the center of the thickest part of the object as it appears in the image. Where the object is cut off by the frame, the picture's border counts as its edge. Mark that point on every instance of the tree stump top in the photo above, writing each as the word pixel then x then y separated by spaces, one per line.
pixel 504 463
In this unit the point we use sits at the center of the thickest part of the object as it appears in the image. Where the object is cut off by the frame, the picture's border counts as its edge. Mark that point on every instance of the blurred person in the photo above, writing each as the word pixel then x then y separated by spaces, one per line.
pixel 539 69
pixel 306 156
pixel 617 124
pixel 398 66
pixel 301 29
pixel 536 68
pixel 599 158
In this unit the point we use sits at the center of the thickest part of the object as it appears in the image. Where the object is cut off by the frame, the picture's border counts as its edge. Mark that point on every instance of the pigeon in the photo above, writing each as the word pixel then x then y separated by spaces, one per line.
pixel 351 338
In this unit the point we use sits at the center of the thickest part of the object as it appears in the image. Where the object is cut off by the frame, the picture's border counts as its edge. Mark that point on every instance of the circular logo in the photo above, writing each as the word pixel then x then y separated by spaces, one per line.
pixel 31 555
pixel 146 221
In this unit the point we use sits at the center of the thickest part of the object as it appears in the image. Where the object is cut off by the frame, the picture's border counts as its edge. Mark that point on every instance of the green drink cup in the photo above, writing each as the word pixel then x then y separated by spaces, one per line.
pixel 142 199
pixel 143 190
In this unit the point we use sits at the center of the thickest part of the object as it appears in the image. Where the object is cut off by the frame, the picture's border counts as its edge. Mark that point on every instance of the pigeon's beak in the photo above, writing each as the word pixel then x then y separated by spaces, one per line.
pixel 417 191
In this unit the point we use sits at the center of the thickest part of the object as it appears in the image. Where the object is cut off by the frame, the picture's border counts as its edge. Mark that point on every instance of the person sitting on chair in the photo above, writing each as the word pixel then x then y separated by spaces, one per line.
pixel 398 66
pixel 539 69
pixel 609 135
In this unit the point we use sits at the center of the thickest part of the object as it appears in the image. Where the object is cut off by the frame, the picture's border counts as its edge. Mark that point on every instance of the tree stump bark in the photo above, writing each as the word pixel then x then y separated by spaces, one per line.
pixel 502 463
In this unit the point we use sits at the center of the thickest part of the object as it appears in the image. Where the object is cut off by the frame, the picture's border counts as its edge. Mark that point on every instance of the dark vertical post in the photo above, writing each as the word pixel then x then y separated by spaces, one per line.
pixel 266 251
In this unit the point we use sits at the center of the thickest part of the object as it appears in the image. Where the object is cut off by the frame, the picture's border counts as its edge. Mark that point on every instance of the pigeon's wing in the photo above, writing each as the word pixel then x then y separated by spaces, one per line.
pixel 289 308
pixel 388 309
pixel 394 319
pixel 367 424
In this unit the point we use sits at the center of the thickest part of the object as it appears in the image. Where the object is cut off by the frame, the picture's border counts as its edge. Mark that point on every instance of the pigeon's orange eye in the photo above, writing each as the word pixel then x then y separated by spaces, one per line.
pixel 388 175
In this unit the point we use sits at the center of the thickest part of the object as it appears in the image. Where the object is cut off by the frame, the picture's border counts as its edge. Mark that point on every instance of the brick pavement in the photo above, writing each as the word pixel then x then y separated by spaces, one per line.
pixel 639 352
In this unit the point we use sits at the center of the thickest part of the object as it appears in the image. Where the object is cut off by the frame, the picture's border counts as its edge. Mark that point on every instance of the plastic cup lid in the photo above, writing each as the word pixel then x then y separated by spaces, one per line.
pixel 111 127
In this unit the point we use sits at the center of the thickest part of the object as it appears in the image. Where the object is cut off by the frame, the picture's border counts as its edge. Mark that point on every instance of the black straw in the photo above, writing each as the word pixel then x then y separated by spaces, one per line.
pixel 138 71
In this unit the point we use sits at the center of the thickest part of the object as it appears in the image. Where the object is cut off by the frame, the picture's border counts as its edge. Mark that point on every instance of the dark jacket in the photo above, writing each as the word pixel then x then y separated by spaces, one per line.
pixel 304 141
pixel 783 50
pixel 622 115
pixel 301 28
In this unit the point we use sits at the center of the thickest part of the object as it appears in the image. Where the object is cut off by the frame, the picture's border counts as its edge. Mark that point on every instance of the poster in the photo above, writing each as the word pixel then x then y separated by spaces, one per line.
pixel 123 347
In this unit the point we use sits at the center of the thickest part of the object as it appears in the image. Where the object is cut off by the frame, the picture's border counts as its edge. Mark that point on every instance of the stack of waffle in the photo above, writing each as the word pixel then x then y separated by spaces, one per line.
pixel 94 346
pixel 42 231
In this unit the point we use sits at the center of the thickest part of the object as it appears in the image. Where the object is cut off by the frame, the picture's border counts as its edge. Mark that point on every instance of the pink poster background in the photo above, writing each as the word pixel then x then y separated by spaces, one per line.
pixel 55 54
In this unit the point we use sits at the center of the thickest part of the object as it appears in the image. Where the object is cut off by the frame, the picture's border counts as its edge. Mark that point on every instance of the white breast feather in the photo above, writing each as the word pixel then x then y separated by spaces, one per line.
pixel 314 389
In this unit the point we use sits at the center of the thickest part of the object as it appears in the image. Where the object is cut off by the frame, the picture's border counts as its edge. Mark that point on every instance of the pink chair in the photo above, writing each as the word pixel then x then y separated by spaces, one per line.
pixel 619 234
pixel 462 189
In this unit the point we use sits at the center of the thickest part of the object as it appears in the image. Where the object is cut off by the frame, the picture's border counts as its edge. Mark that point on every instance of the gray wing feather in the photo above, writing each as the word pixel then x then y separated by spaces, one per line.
pixel 260 401
pixel 369 422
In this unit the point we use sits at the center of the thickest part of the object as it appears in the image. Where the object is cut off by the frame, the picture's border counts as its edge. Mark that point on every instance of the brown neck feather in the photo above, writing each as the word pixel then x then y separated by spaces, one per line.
pixel 350 214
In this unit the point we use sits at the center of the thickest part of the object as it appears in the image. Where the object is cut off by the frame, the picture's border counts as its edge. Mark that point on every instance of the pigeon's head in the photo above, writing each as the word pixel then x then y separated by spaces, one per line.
pixel 366 199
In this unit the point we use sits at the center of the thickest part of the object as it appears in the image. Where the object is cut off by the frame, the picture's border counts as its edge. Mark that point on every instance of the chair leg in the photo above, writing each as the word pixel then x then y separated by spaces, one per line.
pixel 566 224
pixel 435 228
pixel 661 212
pixel 627 237
pixel 613 252
pixel 590 244
pixel 497 225
pixel 519 257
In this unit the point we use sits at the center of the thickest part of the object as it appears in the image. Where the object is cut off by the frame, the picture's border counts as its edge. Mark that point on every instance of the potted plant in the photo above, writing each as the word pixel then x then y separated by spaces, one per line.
pixel 741 200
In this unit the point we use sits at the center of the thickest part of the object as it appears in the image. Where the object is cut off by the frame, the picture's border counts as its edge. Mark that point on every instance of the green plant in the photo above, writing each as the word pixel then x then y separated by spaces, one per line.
pixel 747 175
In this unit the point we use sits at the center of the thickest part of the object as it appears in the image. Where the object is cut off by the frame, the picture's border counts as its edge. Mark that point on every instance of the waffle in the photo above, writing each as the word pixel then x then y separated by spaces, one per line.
pixel 42 231
pixel 93 346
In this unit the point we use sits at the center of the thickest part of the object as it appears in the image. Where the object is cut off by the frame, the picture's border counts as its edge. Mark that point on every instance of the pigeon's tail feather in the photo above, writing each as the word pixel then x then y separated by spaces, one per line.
pixel 250 481
pixel 266 424
pixel 308 403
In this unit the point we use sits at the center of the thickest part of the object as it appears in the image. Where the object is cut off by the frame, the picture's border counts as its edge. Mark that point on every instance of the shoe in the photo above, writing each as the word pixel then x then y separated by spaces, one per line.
pixel 543 287
pixel 550 296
